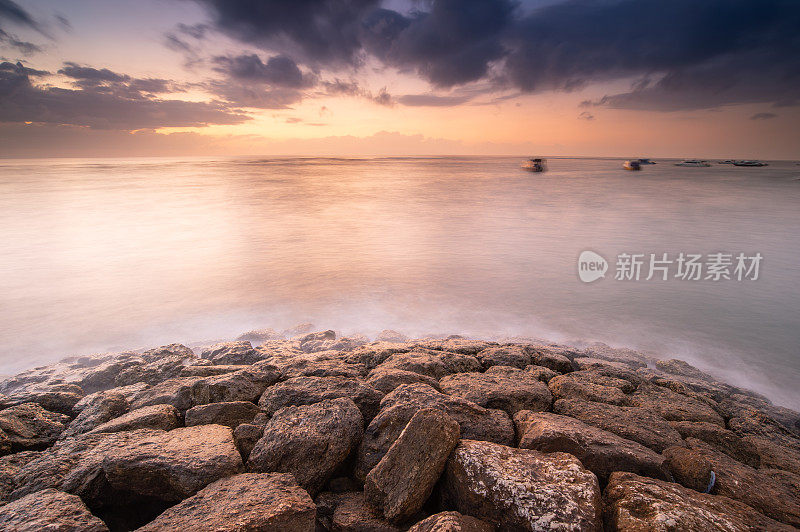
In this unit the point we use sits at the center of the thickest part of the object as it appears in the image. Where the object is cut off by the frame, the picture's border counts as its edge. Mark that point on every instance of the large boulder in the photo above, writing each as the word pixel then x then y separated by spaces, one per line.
pixel 129 392
pixel 49 510
pixel 386 380
pixel 309 390
pixel 240 352
pixel 246 436
pixel 350 512
pixel 208 370
pixel 637 503
pixel 60 398
pixel 164 417
pixel 248 501
pixel 320 364
pixel 591 385
pixel 9 467
pixel 156 365
pixel 404 478
pixel 173 465
pixel 674 406
pixel 629 422
pixel 451 522
pixel 720 438
pixel 310 442
pixel 599 451
pixel 29 427
pixel 398 407
pixel 508 355
pixel 432 363
pixel 181 392
pixel 554 358
pixel 521 489
pixel 231 414
pixel 104 407
pixel 504 389
pixel 769 495
pixel 689 468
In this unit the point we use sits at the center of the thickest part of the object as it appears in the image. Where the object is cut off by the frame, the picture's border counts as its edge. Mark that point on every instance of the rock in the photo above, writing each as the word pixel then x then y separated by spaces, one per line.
pixel 322 364
pixel 628 357
pixel 592 363
pixel 751 486
pixel 689 468
pixel 451 522
pixel 637 503
pixel 681 368
pixel 736 404
pixel 772 455
pixel 373 354
pixel 629 422
pixel 126 391
pixel 298 330
pixel 508 355
pixel 404 478
pixel 673 406
pixel 309 441
pixel 231 414
pixel 182 392
pixel 388 335
pixel 721 439
pixel 49 510
pixel 457 344
pixel 317 337
pixel 386 380
pixel 173 465
pixel 29 427
pixel 752 422
pixel 689 386
pixel 9 467
pixel 540 373
pixel 521 489
pixel 259 336
pixel 59 398
pixel 350 512
pixel 398 407
pixel 156 365
pixel 240 352
pixel 550 357
pixel 104 407
pixel 248 501
pixel 246 436
pixel 431 363
pixel 588 386
pixel 309 390
pixel 511 391
pixel 599 451
pixel 209 370
pixel 164 417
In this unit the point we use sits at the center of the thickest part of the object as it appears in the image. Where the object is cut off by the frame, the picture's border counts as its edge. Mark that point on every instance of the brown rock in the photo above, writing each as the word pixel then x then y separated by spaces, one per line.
pixel 173 465
pixel 386 380
pixel 773 455
pixel 59 398
pixel 309 390
pixel 521 489
pixel 389 335
pixel 240 352
pixel 432 363
pixel 209 370
pixel 182 392
pixel 404 478
pixel 242 385
pixel 690 468
pixel 350 512
pixel 674 406
pixel 588 385
pixel 398 407
pixel 510 391
pixel 156 365
pixel 246 436
pixel 451 522
pixel 309 441
pixel 259 336
pixel 540 373
pixel 231 414
pixel 104 407
pixel 9 467
pixel 720 438
pixel 29 427
pixel 553 358
pixel 164 417
pixel 248 501
pixel 49 510
pixel 637 503
pixel 322 364
pixel 599 451
pixel 629 422
pixel 508 355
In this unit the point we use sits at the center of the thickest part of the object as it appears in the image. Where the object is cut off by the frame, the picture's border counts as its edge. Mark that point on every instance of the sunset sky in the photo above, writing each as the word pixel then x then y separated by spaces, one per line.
pixel 679 78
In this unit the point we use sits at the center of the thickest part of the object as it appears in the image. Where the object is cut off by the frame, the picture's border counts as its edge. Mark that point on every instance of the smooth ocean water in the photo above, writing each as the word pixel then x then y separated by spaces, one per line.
pixel 102 255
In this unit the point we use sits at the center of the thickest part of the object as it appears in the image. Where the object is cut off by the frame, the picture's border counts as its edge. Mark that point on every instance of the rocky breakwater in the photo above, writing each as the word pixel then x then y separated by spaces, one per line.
pixel 310 431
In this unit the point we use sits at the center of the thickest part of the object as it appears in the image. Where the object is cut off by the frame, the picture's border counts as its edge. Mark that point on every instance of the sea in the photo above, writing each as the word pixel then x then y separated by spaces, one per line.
pixel 701 264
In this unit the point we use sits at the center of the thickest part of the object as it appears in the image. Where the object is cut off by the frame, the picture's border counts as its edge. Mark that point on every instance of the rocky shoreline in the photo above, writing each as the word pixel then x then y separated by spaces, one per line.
pixel 309 431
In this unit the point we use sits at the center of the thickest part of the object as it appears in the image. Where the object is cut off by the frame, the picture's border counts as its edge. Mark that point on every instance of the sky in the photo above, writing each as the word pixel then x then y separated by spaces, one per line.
pixel 615 78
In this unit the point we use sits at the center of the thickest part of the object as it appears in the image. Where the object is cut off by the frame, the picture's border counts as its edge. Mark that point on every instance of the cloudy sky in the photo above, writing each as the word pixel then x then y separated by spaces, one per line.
pixel 707 78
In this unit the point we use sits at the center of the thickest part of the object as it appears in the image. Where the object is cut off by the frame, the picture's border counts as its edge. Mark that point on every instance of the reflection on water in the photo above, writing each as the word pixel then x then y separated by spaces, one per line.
pixel 109 254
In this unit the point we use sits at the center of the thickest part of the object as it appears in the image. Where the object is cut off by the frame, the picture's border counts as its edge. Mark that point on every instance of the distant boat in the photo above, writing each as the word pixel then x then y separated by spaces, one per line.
pixel 646 161
pixel 693 163
pixel 633 164
pixel 726 161
pixel 534 165
pixel 749 163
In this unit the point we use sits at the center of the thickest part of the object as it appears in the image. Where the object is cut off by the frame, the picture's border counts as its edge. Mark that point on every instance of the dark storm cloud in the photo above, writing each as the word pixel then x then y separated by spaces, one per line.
pixel 749 46
pixel 13 12
pixel 24 47
pixel 116 105
pixel 278 71
pixel 339 87
pixel 90 74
